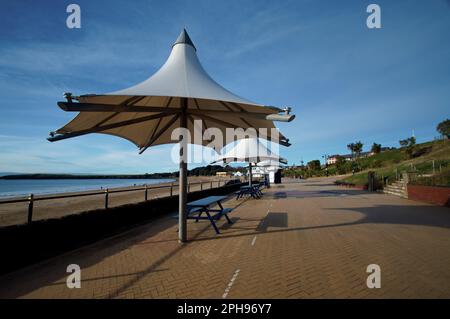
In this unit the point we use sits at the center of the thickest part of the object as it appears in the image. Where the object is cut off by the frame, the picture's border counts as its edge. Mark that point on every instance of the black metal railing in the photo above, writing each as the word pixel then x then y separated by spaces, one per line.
pixel 32 198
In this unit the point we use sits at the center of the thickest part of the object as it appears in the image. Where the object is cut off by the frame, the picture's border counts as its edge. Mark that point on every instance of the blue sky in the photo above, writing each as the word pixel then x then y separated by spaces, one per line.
pixel 344 81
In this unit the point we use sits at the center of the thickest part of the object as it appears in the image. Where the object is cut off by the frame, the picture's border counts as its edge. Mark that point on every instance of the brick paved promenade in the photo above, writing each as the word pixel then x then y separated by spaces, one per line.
pixel 302 240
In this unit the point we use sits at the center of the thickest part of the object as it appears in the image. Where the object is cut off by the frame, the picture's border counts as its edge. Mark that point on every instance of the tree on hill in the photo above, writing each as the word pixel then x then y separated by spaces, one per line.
pixel 314 165
pixel 444 128
pixel 355 148
pixel 341 165
pixel 358 148
pixel 351 147
pixel 404 143
pixel 376 148
pixel 408 144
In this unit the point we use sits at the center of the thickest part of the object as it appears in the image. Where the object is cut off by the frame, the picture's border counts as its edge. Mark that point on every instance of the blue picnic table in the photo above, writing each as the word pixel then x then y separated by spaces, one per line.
pixel 253 191
pixel 205 205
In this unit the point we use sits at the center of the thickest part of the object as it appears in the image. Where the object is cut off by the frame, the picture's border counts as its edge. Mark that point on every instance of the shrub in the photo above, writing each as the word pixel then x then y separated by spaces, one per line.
pixel 376 164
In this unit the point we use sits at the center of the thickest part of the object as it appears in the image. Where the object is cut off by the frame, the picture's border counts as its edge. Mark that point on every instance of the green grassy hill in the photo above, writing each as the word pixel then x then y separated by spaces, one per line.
pixel 390 164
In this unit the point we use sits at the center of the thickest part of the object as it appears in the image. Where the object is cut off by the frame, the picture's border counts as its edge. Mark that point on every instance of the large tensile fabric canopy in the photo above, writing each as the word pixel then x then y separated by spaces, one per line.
pixel 176 95
pixel 147 113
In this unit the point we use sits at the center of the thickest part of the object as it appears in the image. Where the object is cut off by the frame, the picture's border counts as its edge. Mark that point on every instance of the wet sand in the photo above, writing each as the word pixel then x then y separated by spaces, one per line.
pixel 16 213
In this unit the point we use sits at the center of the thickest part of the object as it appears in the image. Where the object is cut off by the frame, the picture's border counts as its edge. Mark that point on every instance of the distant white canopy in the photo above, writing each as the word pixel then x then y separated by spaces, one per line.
pixel 272 163
pixel 147 113
pixel 249 150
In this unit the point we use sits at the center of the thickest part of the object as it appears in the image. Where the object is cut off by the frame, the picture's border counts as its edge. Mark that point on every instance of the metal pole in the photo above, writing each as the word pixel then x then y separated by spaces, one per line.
pixel 171 189
pixel 433 168
pixel 201 186
pixel 106 198
pixel 30 208
pixel 250 174
pixel 146 192
pixel 182 224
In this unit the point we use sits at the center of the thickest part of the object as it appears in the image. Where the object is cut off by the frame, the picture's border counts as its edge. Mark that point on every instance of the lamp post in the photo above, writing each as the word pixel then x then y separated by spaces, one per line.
pixel 325 157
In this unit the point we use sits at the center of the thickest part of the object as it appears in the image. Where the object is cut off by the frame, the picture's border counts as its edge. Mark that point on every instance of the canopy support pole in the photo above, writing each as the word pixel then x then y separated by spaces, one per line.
pixel 182 217
pixel 250 175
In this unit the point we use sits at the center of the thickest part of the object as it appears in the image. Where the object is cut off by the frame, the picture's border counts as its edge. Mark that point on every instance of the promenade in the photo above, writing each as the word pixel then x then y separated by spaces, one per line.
pixel 309 239
pixel 65 204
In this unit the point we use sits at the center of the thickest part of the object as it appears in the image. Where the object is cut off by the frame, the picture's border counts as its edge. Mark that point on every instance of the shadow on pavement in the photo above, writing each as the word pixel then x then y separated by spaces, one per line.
pixel 433 216
pixel 273 219
pixel 93 254
pixel 313 194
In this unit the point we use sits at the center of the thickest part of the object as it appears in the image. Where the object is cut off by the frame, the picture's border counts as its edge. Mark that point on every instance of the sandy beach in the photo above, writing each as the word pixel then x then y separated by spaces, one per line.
pixel 16 213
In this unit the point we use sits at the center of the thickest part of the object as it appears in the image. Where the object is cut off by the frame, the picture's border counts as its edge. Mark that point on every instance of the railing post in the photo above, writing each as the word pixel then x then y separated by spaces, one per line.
pixel 201 186
pixel 106 198
pixel 371 181
pixel 171 189
pixel 211 185
pixel 146 192
pixel 30 208
pixel 189 188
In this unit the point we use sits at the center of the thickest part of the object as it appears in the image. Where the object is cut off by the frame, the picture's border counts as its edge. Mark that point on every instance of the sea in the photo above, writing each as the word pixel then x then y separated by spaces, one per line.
pixel 24 187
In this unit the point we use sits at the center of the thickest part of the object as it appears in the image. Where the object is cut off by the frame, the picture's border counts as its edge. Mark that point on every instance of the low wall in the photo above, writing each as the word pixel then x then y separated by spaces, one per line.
pixel 22 245
pixel 430 194
pixel 349 185
pixel 360 187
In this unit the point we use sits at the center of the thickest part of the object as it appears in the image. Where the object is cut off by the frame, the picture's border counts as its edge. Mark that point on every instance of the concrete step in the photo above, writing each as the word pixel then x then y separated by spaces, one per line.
pixel 397 188
pixel 398 183
pixel 395 193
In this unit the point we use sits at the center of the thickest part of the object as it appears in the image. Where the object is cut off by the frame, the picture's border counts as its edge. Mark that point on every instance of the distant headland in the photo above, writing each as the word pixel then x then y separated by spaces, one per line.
pixel 209 170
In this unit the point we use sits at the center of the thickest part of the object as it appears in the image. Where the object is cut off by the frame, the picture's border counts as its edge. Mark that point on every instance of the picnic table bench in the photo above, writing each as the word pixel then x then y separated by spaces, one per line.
pixel 253 191
pixel 196 208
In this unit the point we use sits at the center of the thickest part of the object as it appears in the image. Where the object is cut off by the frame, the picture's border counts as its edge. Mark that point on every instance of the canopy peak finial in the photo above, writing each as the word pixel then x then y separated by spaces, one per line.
pixel 184 38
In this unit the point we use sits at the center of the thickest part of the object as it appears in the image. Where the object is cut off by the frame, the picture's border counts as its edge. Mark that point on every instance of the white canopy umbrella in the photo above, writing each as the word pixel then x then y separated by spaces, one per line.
pixel 271 165
pixel 177 94
pixel 249 150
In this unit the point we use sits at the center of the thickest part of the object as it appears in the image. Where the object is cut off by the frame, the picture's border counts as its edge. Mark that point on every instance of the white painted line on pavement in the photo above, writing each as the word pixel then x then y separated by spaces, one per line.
pixel 253 241
pixel 230 284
